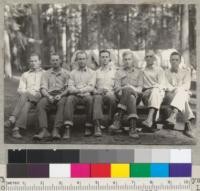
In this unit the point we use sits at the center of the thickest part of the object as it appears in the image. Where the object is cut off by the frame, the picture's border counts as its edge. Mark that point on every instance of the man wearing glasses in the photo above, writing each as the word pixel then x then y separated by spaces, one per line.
pixel 54 89
pixel 153 80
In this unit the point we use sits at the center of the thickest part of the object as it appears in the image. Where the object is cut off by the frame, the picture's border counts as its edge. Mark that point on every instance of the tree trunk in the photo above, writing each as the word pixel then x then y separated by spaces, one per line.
pixel 64 46
pixel 185 35
pixel 36 26
pixel 84 37
pixel 7 56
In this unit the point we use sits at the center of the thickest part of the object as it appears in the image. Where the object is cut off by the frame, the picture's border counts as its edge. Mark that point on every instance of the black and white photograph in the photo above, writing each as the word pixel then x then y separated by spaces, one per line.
pixel 106 74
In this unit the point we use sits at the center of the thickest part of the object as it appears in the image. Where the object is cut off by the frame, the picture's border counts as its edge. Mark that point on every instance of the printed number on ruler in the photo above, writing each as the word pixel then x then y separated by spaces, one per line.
pixel 195 184
pixel 92 184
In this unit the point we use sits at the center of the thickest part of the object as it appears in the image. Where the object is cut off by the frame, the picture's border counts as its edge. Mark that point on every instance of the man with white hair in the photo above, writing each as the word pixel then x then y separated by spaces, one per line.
pixel 127 88
pixel 177 93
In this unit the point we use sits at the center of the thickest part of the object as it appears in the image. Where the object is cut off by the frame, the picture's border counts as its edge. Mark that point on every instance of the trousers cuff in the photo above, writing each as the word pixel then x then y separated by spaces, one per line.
pixel 121 106
pixel 135 116
pixel 68 123
pixel 88 124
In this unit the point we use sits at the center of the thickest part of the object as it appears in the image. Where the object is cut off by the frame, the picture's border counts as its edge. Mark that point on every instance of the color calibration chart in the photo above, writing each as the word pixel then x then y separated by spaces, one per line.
pixel 103 170
pixel 99 163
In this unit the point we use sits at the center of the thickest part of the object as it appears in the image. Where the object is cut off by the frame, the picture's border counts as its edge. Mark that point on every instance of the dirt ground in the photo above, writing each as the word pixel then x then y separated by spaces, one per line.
pixel 161 137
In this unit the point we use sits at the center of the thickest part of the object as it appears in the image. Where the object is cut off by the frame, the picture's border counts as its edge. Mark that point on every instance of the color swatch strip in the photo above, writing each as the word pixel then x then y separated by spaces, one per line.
pixel 100 156
pixel 94 170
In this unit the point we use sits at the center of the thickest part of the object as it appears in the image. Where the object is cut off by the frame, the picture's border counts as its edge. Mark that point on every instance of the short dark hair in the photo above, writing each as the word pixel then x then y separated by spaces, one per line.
pixel 34 54
pixel 81 52
pixel 104 51
pixel 175 53
pixel 56 54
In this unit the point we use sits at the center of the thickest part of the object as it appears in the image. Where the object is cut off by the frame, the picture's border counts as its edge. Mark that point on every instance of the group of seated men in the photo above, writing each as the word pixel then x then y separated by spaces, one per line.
pixel 120 89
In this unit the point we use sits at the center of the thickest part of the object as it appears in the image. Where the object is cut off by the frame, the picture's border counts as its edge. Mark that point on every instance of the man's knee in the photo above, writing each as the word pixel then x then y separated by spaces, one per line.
pixel 61 102
pixel 126 91
pixel 89 99
pixel 70 99
pixel 42 103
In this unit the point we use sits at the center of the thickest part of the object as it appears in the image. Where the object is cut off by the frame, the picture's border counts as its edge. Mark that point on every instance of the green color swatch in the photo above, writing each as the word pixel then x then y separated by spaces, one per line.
pixel 140 170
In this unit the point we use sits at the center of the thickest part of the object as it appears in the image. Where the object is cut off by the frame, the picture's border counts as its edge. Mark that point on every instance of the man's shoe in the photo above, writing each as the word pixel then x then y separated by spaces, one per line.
pixel 97 131
pixel 172 118
pixel 55 134
pixel 44 133
pixel 147 124
pixel 188 130
pixel 133 133
pixel 16 133
pixel 66 134
pixel 8 124
pixel 88 132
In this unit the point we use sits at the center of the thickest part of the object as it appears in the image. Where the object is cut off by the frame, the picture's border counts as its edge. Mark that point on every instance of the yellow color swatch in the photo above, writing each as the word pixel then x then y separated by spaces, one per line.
pixel 120 170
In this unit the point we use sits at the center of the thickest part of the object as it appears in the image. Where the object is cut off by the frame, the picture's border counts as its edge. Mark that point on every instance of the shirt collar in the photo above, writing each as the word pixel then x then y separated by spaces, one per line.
pixel 59 72
pixel 106 68
pixel 132 69
pixel 31 70
pixel 174 71
pixel 83 70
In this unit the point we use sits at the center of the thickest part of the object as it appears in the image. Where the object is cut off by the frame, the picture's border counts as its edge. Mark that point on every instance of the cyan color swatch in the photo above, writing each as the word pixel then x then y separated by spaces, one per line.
pixel 159 170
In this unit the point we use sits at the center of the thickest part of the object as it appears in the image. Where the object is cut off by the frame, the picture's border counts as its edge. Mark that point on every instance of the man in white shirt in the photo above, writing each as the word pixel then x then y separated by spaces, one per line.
pixel 153 80
pixel 81 84
pixel 29 94
pixel 104 91
pixel 177 93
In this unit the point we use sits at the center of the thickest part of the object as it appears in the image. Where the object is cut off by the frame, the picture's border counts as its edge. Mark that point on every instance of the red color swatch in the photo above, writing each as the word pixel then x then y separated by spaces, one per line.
pixel 100 170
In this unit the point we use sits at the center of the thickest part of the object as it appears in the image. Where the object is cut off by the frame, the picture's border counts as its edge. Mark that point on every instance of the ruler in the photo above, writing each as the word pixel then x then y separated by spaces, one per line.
pixel 96 184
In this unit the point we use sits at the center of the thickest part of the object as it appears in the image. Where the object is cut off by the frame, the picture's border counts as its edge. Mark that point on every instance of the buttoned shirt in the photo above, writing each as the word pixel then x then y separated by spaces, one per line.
pixel 105 78
pixel 30 81
pixel 55 81
pixel 152 77
pixel 178 79
pixel 129 77
pixel 82 79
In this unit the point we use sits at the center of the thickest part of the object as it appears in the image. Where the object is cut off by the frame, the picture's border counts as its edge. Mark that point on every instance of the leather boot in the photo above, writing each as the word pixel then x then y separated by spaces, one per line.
pixel 116 126
pixel 66 134
pixel 172 118
pixel 55 133
pixel 133 133
pixel 97 129
pixel 188 130
pixel 44 133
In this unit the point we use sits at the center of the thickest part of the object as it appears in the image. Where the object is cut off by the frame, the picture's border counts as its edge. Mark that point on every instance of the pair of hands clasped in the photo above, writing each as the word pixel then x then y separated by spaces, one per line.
pixel 53 99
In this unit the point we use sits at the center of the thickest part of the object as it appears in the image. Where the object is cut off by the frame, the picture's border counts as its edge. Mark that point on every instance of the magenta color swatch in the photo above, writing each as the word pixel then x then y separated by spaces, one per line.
pixel 80 170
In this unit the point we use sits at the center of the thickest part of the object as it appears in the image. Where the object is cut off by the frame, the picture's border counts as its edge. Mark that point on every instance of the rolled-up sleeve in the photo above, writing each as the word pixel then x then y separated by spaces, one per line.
pixel 44 81
pixel 91 84
pixel 117 81
pixel 161 79
pixel 140 79
pixel 22 84
pixel 186 80
pixel 71 82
